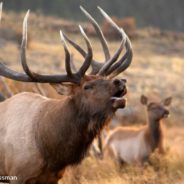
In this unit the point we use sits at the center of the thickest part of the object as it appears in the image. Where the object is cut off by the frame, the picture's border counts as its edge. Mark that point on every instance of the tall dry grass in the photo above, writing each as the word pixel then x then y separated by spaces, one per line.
pixel 160 169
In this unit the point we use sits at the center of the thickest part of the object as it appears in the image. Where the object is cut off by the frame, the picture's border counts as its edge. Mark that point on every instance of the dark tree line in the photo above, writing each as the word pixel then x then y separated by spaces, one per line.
pixel 166 14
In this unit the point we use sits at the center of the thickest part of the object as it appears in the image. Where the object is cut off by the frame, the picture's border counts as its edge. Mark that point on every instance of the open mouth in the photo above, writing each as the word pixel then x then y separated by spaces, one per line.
pixel 118 100
pixel 120 93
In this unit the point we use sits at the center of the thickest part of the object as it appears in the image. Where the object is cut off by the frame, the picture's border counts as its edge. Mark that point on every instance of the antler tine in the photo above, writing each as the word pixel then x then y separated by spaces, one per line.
pixel 106 16
pixel 89 55
pixel 95 65
pixel 73 67
pixel 110 66
pixel 67 56
pixel 24 46
pixel 6 72
pixel 125 61
pixel 103 69
pixel 76 46
pixel 107 65
pixel 1 7
pixel 99 33
pixel 32 76
pixel 51 78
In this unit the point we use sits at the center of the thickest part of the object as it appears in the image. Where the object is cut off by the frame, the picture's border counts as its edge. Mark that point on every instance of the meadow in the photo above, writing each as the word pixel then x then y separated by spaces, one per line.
pixel 156 70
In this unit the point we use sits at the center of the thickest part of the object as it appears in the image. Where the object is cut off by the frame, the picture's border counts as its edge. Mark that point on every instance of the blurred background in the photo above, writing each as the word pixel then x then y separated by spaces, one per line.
pixel 165 14
pixel 156 30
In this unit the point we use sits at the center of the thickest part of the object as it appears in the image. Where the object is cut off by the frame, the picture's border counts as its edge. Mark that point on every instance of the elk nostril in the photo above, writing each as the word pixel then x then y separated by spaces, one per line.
pixel 117 82
pixel 166 112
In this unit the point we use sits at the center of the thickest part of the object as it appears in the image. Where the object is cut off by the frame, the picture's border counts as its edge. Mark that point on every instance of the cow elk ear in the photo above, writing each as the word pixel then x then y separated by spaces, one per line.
pixel 167 101
pixel 64 89
pixel 144 100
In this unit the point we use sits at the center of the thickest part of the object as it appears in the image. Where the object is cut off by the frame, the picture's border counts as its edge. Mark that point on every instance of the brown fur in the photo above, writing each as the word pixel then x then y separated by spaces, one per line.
pixel 157 141
pixel 52 134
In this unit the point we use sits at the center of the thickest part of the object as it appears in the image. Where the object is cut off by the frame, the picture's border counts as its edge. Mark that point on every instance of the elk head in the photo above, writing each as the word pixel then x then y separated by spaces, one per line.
pixel 94 89
pixel 157 110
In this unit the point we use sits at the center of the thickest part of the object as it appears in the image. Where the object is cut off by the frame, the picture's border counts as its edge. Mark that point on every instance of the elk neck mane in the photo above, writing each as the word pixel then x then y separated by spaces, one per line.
pixel 57 127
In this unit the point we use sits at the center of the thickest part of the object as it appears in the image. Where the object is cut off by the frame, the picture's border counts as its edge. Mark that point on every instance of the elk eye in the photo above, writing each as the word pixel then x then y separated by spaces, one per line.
pixel 86 87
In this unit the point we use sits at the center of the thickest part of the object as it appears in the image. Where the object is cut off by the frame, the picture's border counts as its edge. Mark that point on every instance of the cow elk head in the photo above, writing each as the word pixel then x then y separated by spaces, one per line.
pixel 157 110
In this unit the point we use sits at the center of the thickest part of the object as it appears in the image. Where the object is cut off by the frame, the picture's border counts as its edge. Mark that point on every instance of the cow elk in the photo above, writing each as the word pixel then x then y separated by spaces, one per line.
pixel 40 136
pixel 134 145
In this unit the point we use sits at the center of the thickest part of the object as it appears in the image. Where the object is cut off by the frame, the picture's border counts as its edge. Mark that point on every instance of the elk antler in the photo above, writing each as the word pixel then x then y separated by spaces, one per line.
pixel 111 67
pixel 30 76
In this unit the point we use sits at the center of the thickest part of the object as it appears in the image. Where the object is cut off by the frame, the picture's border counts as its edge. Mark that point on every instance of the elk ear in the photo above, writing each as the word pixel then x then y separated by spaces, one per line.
pixel 144 100
pixel 64 89
pixel 167 101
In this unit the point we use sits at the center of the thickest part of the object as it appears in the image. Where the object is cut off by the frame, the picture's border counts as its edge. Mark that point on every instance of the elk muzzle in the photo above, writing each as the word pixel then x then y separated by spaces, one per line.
pixel 117 99
pixel 166 113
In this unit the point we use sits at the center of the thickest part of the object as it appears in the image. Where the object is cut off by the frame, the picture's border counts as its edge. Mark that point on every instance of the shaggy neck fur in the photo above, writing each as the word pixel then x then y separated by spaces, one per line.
pixel 66 131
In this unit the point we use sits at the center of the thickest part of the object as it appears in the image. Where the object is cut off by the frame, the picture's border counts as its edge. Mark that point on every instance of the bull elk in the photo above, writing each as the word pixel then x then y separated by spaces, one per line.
pixel 134 145
pixel 39 136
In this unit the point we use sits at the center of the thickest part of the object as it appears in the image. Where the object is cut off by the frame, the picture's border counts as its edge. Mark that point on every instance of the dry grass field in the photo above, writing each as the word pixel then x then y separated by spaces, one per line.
pixel 157 68
pixel 168 168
